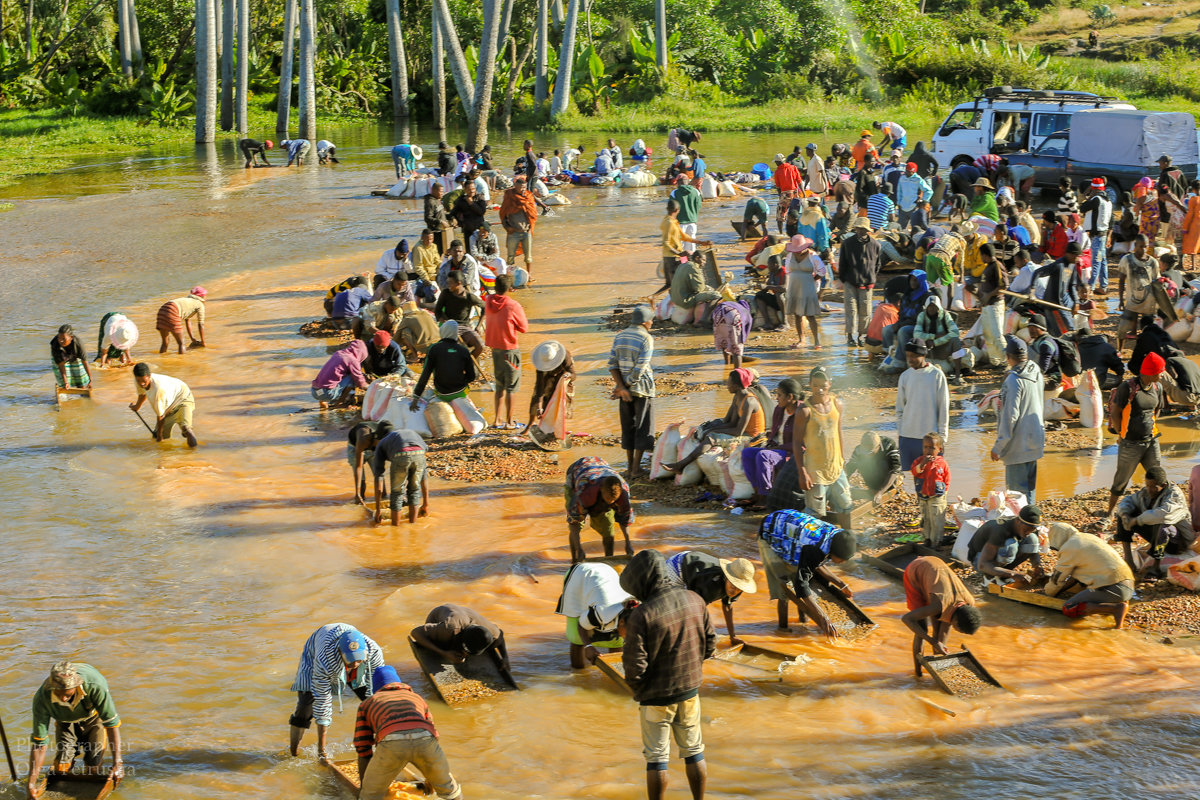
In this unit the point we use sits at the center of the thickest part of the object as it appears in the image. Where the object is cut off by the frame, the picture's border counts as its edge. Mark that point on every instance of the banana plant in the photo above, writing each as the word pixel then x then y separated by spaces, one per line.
pixel 591 77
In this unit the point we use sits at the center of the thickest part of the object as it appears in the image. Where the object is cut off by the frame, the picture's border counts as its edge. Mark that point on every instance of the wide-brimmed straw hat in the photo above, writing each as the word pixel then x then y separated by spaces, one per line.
pixel 548 356
pixel 740 572
pixel 983 182
pixel 416 151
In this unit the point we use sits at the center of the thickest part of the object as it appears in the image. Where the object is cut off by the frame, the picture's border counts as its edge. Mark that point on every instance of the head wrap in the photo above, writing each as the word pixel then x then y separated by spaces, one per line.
pixel 449 329
pixel 1153 364
pixel 743 376
pixel 199 291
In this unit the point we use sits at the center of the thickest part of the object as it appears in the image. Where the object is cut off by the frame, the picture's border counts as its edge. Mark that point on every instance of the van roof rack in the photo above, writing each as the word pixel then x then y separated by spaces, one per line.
pixel 1061 97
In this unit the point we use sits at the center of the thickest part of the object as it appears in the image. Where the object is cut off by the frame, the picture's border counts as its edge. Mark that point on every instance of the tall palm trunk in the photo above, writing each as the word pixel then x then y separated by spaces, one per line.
pixel 514 75
pixel 308 55
pixel 135 39
pixel 566 57
pixel 458 62
pixel 123 38
pixel 484 77
pixel 228 8
pixel 540 84
pixel 505 24
pixel 284 103
pixel 399 63
pixel 439 71
pixel 206 71
pixel 29 30
pixel 660 33
pixel 243 66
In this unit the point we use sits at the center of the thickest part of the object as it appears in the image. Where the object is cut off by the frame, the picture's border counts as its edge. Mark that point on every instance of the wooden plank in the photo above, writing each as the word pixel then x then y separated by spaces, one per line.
pixel 964 658
pixel 887 568
pixel 1186 640
pixel 347 775
pixel 863 624
pixel 712 275
pixel 612 561
pixel 482 672
pixel 78 785
pixel 1028 598
pixel 610 664
pixel 861 512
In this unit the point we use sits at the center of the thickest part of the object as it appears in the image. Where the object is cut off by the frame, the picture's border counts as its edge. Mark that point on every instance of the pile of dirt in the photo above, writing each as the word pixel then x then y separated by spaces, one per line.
pixel 666 493
pixel 506 458
pixel 665 385
pixel 324 329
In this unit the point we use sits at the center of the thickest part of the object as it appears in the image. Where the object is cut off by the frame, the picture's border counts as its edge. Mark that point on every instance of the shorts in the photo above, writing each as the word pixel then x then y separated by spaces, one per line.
pixel 660 723
pixel 506 364
pixel 368 458
pixel 1113 593
pixel 637 424
pixel 779 572
pixel 611 640
pixel 331 394
pixel 726 337
pixel 180 415
pixel 86 738
pixel 837 494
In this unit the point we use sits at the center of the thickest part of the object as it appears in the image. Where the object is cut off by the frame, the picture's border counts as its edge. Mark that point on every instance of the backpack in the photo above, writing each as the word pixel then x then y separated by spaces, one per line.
pixel 1068 358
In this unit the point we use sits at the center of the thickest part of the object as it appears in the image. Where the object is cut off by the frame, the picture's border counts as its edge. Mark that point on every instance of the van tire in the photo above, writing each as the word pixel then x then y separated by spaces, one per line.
pixel 1113 190
pixel 959 160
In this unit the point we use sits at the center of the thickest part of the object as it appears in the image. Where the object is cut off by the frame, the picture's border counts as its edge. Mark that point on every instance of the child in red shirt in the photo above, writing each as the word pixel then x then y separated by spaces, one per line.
pixel 931 474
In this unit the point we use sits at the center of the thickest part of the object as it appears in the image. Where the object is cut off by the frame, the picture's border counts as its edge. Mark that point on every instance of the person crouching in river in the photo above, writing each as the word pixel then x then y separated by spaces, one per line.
pixel 170 399
pixel 934 592
pixel 334 656
pixel 174 316
pixel 715 579
pixel 76 697
pixel 596 492
pixel 252 149
pixel 596 607
pixel 70 361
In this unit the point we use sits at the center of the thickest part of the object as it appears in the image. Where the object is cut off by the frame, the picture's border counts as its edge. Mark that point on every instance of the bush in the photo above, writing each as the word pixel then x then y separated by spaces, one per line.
pixel 115 96
pixel 786 86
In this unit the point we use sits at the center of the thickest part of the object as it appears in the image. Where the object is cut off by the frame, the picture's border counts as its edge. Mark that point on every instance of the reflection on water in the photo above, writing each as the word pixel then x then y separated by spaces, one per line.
pixel 192 578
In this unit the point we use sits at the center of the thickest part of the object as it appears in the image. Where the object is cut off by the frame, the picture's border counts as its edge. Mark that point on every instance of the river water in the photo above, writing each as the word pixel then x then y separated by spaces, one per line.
pixel 192 578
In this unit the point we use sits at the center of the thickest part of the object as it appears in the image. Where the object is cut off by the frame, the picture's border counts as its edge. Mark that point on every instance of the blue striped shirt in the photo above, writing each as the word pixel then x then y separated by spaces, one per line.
pixel 322 670
pixel 632 349
pixel 879 207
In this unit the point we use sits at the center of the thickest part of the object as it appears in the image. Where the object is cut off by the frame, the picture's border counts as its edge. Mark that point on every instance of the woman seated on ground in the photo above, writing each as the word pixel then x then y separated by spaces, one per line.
pixel 771 300
pixel 761 463
pixel 744 418
pixel 70 361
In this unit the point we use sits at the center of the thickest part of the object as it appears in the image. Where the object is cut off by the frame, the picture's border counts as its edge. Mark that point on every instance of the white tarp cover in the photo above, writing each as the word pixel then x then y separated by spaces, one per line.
pixel 1133 138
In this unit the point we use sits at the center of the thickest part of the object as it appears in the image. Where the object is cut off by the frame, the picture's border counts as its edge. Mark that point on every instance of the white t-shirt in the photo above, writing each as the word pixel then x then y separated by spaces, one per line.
pixel 593 586
pixel 556 165
pixel 570 156
pixel 543 167
pixel 389 265
pixel 165 393
pixel 893 130
pixel 481 189
pixel 325 145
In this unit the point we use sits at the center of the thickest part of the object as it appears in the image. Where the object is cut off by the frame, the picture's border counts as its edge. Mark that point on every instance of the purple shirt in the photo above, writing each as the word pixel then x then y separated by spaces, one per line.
pixel 347 361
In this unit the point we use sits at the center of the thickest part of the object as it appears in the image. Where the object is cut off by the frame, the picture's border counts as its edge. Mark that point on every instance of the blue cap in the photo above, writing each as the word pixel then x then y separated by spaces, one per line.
pixel 353 646
pixel 810 146
pixel 383 676
pixel 402 245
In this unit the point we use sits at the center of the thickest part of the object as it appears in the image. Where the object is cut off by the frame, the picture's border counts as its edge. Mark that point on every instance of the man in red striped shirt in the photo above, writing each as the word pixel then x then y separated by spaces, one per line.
pixel 395 729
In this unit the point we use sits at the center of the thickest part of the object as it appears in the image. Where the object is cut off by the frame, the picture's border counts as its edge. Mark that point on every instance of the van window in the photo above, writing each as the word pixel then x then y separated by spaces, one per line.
pixel 963 118
pixel 1054 146
pixel 1046 124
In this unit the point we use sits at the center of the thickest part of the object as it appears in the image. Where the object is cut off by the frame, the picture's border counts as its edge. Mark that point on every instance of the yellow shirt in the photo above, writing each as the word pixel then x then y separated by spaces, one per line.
pixel 672 237
pixel 425 261
pixel 823 445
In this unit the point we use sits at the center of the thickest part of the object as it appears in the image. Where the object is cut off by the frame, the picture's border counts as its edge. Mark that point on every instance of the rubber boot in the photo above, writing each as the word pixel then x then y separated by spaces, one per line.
pixel 297 735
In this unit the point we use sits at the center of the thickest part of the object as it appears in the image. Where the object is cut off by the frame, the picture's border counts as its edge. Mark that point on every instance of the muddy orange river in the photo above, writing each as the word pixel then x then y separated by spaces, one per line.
pixel 192 578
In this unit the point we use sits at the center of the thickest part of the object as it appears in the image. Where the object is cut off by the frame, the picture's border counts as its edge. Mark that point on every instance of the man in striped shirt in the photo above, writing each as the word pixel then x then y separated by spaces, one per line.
pixel 629 365
pixel 395 729
pixel 335 656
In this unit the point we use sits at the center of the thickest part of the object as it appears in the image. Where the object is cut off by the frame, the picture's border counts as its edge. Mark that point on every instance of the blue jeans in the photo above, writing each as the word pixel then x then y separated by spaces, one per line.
pixel 820 497
pixel 898 334
pixel 1021 478
pixel 1099 261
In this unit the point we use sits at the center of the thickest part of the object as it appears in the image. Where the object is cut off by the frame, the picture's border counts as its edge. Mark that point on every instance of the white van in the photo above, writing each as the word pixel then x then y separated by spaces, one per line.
pixel 1004 120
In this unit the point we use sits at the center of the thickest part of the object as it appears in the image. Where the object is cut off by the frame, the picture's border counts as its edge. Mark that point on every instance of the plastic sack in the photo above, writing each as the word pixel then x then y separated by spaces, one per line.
pixel 557 199
pixel 957 303
pixel 375 401
pixel 1180 330
pixel 520 277
pixel 468 415
pixel 665 308
pixel 1091 404
pixel 1185 573
pixel 399 189
pixel 740 487
pixel 664 451
pixel 442 420
pixel 691 474
pixel 681 316
pixel 708 187
pixel 708 463
pixel 964 511
pixel 1001 504
pixel 638 180
pixel 962 543
pixel 399 412
pixel 1011 320
pixel 1059 409
pixel 990 404
pixel 726 189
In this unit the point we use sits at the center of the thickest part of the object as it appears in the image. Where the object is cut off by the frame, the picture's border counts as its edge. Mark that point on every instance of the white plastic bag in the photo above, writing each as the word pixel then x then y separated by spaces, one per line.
pixel 665 307
pixel 399 412
pixel 468 415
pixel 1059 409
pixel 664 451
pixel 726 189
pixel 1194 337
pixel 708 187
pixel 962 543
pixel 1088 392
pixel 681 316
pixel 1179 330
pixel 399 189
pixel 709 465
pixel 375 401
pixel 1002 504
pixel 740 487
pixel 957 304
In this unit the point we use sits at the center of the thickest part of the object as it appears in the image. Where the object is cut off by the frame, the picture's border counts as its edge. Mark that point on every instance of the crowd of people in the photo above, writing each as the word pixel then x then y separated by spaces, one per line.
pixel 912 252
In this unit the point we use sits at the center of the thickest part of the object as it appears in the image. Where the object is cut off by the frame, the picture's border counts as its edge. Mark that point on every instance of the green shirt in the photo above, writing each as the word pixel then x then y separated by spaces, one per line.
pixel 96 700
pixel 689 204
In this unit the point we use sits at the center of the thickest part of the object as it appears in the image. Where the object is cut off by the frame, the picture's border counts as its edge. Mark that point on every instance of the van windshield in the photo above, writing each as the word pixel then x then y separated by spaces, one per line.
pixel 963 118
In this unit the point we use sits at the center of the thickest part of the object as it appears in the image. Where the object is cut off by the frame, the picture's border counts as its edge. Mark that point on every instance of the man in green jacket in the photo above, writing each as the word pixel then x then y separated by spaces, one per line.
pixel 688 198
pixel 76 697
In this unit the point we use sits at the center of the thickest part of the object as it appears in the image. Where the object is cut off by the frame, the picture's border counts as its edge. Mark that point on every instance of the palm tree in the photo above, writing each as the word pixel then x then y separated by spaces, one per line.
pixel 660 33
pixel 505 23
pixel 308 54
pixel 439 71
pixel 399 63
pixel 135 39
pixel 228 7
pixel 540 89
pixel 484 75
pixel 243 66
pixel 126 51
pixel 458 62
pixel 284 107
pixel 206 71
pixel 562 83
